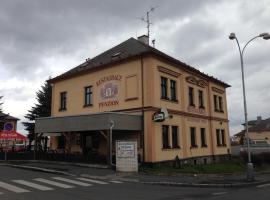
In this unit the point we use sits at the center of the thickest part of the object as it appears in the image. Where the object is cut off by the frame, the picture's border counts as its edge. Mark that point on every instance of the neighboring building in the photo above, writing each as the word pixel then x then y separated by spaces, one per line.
pixel 7 122
pixel 259 132
pixel 129 89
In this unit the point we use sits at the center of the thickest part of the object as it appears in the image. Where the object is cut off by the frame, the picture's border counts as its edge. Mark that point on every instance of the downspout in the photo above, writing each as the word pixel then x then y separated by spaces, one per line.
pixel 110 141
pixel 142 75
pixel 210 121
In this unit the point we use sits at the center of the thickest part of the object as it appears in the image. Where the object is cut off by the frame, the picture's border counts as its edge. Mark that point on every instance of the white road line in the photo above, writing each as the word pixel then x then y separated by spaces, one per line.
pixel 219 193
pixel 54 183
pixel 93 181
pixel 115 181
pixel 33 185
pixel 12 188
pixel 72 181
pixel 264 185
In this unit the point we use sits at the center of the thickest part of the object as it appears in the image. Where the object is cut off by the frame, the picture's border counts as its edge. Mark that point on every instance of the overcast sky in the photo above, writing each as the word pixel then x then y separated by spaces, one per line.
pixel 41 38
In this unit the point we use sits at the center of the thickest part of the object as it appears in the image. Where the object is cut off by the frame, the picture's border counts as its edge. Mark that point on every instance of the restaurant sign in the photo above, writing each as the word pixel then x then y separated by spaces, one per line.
pixel 109 90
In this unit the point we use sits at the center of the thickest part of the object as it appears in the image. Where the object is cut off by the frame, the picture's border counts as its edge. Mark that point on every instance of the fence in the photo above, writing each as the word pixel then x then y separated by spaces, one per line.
pixel 55 156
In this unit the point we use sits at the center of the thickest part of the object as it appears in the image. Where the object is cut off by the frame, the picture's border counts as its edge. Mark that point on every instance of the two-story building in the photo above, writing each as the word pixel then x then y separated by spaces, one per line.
pixel 139 93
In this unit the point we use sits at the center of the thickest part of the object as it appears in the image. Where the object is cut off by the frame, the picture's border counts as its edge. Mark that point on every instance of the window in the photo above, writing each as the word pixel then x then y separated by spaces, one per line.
pixel 164 88
pixel 190 96
pixel 216 102
pixel 223 137
pixel 63 101
pixel 193 137
pixel 203 138
pixel 175 137
pixel 61 142
pixel 201 100
pixel 88 93
pixel 218 137
pixel 173 90
pixel 220 103
pixel 165 136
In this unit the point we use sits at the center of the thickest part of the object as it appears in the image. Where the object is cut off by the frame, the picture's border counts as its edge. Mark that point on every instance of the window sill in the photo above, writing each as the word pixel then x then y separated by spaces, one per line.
pixel 194 147
pixel 220 111
pixel 62 109
pixel 204 146
pixel 169 100
pixel 89 105
pixel 222 145
pixel 202 107
pixel 171 148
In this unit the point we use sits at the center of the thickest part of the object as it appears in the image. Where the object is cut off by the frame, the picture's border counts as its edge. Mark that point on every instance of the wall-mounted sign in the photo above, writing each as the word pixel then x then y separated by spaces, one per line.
pixel 8 126
pixel 161 115
pixel 109 90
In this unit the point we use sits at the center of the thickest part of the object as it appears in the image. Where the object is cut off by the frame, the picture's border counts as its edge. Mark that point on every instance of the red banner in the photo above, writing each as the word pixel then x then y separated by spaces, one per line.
pixel 11 135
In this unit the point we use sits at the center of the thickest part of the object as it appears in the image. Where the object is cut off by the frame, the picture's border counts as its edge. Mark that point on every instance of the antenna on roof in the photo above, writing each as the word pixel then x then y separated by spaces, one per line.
pixel 147 20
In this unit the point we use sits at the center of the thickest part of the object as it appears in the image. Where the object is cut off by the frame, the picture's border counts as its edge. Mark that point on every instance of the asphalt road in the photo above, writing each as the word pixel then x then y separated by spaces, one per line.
pixel 19 184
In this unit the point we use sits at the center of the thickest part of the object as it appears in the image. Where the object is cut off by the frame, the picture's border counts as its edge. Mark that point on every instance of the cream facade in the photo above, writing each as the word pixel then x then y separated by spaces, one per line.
pixel 195 129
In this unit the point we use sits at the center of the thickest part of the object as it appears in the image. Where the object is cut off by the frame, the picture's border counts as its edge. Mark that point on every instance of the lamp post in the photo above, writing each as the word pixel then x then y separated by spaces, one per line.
pixel 232 36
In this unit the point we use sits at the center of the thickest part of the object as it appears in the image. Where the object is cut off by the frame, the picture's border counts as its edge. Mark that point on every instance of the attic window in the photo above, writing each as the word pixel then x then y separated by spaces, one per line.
pixel 116 54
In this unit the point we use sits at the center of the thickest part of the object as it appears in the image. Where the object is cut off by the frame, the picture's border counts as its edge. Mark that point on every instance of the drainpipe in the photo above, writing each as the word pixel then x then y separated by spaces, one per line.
pixel 110 141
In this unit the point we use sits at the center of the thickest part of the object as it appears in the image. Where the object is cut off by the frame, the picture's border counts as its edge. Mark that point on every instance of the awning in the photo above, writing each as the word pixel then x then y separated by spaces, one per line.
pixel 90 122
pixel 11 135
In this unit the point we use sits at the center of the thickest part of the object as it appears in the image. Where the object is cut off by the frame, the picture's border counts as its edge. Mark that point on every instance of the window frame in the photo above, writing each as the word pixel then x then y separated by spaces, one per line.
pixel 63 101
pixel 193 140
pixel 191 96
pixel 201 99
pixel 88 96
pixel 218 141
pixel 173 90
pixel 165 137
pixel 164 87
pixel 203 137
pixel 175 137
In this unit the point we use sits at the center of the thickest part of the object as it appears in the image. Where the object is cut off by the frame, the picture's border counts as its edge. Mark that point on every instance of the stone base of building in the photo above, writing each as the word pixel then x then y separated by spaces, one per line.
pixel 202 160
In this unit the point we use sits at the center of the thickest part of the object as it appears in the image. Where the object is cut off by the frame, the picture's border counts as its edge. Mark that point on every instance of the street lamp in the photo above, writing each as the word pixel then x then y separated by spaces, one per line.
pixel 232 36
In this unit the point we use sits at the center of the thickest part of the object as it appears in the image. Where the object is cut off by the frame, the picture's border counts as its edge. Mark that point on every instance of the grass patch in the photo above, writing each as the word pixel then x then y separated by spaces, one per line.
pixel 228 167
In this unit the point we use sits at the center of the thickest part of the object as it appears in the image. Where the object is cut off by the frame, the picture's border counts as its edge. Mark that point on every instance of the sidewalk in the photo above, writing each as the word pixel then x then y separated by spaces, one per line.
pixel 103 173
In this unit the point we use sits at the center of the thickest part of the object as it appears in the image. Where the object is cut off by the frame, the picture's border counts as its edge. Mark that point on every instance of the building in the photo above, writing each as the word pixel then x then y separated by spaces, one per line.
pixel 7 122
pixel 259 132
pixel 139 93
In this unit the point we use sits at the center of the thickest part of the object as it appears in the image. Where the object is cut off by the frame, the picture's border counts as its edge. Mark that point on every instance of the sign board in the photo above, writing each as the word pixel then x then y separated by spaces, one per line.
pixel 126 156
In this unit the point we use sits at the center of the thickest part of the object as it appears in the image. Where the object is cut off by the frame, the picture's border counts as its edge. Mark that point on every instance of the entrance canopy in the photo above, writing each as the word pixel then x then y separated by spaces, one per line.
pixel 11 135
pixel 90 122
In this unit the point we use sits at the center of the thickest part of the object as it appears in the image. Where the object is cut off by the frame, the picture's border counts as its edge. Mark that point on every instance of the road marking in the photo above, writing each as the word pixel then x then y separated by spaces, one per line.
pixel 12 188
pixel 54 183
pixel 33 185
pixel 219 193
pixel 264 185
pixel 116 182
pixel 72 181
pixel 93 181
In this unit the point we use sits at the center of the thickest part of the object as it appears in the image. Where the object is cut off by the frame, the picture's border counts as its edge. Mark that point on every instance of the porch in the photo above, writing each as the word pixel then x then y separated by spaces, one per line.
pixel 89 138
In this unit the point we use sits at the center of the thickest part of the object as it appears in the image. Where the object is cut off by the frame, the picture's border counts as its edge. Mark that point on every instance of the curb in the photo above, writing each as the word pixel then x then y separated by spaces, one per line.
pixel 97 166
pixel 38 169
pixel 178 184
pixel 207 185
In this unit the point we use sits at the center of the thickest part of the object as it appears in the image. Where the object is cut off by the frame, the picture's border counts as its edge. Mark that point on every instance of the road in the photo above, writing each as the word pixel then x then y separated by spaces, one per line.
pixel 19 184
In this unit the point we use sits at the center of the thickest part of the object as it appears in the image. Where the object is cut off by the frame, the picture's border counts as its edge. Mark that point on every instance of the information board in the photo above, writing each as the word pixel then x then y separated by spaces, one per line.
pixel 126 156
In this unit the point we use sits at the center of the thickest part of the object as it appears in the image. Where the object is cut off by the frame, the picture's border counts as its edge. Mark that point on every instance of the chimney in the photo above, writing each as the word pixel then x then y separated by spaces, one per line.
pixel 144 39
